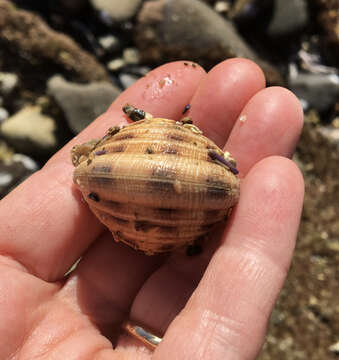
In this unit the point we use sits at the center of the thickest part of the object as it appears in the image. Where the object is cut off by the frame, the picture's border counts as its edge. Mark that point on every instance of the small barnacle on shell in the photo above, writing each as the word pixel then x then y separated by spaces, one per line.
pixel 157 184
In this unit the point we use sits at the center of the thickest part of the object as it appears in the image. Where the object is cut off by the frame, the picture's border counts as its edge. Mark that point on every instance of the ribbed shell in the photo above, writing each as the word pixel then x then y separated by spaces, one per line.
pixel 154 185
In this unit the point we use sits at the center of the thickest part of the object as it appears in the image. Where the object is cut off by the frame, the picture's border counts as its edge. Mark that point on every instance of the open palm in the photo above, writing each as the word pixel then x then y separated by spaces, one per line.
pixel 211 306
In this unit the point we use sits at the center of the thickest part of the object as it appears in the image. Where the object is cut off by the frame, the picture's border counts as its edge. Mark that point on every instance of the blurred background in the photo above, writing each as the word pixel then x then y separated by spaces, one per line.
pixel 62 62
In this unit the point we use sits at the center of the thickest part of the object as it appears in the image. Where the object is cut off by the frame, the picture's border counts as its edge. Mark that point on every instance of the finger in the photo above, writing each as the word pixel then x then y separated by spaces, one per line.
pixel 50 227
pixel 227 315
pixel 264 122
pixel 271 125
pixel 163 92
pixel 221 96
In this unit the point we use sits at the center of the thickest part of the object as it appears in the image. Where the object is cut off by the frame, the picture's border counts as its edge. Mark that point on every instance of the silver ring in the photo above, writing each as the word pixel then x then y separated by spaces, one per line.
pixel 140 333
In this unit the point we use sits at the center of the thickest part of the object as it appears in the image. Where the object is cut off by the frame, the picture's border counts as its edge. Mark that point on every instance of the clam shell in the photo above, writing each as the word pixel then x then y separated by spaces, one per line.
pixel 154 184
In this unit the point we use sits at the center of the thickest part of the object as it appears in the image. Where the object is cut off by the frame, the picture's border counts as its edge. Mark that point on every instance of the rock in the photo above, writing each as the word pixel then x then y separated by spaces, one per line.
pixel 179 29
pixel 109 43
pixel 118 10
pixel 31 132
pixel 334 348
pixel 116 64
pixel 288 17
pixel 26 36
pixel 81 103
pixel 3 114
pixel 320 91
pixel 8 83
pixel 131 56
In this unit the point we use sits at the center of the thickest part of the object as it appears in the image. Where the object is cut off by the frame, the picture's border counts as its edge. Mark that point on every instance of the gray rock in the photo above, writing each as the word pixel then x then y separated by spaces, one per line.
pixel 29 131
pixel 118 10
pixel 189 29
pixel 320 91
pixel 288 17
pixel 81 103
pixel 8 82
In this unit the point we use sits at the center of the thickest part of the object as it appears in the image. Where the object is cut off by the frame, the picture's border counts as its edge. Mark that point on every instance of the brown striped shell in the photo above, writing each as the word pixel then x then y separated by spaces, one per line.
pixel 154 184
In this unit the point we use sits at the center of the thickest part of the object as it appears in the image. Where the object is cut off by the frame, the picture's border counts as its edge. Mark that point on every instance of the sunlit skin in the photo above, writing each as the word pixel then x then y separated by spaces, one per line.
pixel 214 305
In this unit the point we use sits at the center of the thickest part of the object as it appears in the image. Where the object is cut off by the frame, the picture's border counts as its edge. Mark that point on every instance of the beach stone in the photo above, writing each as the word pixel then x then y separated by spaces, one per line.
pixel 8 83
pixel 109 43
pixel 190 29
pixel 288 17
pixel 131 56
pixel 81 103
pixel 116 64
pixel 320 91
pixel 29 131
pixel 27 37
pixel 118 10
pixel 3 114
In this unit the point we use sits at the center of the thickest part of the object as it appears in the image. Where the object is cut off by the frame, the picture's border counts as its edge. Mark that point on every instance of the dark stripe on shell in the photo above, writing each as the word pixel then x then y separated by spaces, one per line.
pixel 97 181
pixel 143 226
pixel 101 169
pixel 124 137
pixel 175 137
pixel 118 149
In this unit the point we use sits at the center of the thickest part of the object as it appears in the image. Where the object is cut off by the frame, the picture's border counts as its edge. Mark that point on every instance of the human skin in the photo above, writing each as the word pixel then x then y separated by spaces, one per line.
pixel 215 305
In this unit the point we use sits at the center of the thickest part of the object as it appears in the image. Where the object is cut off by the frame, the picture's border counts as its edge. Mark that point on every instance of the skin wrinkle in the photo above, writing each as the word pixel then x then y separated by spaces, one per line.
pixel 36 316
pixel 62 335
pixel 251 267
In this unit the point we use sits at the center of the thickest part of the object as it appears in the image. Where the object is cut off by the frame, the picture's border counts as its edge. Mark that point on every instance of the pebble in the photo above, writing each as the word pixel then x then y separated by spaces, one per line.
pixel 29 131
pixel 177 29
pixel 3 114
pixel 109 43
pixel 288 17
pixel 117 10
pixel 319 91
pixel 81 103
pixel 131 56
pixel 8 83
pixel 116 64
pixel 222 7
pixel 334 348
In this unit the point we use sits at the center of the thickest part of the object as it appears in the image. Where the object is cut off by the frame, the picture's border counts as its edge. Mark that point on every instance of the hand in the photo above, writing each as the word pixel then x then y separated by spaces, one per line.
pixel 212 306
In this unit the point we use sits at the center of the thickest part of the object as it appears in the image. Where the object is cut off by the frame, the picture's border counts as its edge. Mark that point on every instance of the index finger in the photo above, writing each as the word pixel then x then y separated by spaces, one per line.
pixel 44 224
